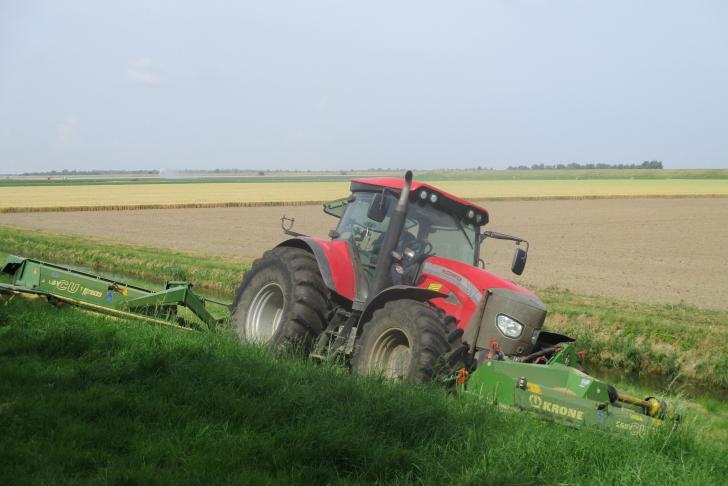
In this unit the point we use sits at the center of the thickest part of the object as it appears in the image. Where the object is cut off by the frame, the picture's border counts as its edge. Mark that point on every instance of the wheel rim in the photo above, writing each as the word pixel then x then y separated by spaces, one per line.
pixel 391 354
pixel 265 313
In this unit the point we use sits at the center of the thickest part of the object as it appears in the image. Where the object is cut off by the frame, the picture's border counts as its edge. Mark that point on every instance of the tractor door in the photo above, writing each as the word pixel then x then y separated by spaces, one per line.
pixel 361 231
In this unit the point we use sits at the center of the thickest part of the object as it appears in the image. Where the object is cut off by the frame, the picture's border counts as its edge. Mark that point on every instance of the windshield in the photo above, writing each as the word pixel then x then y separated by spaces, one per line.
pixel 427 231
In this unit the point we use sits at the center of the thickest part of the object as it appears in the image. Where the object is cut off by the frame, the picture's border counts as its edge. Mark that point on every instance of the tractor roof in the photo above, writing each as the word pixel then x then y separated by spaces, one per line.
pixel 396 184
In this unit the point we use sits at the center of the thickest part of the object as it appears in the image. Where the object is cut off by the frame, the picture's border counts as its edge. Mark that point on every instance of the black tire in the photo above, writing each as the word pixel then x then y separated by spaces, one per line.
pixel 457 357
pixel 281 300
pixel 404 340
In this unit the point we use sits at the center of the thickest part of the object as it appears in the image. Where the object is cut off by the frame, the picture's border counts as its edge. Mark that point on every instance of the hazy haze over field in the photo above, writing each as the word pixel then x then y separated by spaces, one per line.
pixel 331 85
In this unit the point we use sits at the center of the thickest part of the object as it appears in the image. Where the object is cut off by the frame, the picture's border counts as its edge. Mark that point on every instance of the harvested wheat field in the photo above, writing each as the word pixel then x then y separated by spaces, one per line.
pixel 649 250
pixel 190 195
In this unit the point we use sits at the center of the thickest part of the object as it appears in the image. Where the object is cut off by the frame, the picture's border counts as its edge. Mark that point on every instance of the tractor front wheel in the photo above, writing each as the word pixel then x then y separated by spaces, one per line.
pixel 282 299
pixel 404 340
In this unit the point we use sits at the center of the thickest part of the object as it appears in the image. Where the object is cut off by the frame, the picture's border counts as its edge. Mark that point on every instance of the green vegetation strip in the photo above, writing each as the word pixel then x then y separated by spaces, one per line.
pixel 423 175
pixel 94 400
pixel 677 342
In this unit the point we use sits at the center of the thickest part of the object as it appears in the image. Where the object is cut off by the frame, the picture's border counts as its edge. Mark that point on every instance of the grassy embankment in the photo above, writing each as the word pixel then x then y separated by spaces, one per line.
pixel 146 264
pixel 91 399
pixel 25 196
pixel 668 341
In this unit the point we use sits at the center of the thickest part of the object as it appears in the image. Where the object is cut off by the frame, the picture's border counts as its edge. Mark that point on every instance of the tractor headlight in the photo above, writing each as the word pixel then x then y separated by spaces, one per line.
pixel 471 214
pixel 509 327
pixel 423 195
pixel 433 198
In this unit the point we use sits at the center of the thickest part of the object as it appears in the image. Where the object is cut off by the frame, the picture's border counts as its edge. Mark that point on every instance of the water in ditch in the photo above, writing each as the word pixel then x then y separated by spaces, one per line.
pixel 659 384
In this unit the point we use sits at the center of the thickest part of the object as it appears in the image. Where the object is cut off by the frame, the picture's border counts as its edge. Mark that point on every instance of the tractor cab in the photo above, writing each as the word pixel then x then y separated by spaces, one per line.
pixel 436 223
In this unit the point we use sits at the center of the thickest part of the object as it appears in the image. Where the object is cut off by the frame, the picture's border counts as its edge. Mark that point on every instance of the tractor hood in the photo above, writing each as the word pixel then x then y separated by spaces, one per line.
pixel 477 298
pixel 472 281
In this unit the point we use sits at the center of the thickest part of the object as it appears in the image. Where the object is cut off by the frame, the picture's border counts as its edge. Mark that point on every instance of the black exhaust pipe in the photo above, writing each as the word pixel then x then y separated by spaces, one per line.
pixel 382 278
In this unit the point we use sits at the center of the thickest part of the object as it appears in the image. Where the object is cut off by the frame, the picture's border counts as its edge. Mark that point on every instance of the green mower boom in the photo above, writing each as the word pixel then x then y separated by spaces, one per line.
pixel 63 284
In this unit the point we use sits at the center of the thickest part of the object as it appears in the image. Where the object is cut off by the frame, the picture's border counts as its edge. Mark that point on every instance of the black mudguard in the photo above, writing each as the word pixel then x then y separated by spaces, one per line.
pixel 548 339
pixel 396 292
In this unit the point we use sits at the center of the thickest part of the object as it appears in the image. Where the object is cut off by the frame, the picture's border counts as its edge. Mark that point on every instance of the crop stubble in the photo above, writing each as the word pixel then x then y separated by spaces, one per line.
pixel 648 250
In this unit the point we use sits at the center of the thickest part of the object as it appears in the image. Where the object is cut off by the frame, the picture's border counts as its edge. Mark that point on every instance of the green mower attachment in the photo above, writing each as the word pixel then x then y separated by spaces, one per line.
pixel 559 391
pixel 62 284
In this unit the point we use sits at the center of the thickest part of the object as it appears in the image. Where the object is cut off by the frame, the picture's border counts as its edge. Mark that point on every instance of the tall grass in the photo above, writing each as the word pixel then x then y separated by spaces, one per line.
pixel 88 399
pixel 676 341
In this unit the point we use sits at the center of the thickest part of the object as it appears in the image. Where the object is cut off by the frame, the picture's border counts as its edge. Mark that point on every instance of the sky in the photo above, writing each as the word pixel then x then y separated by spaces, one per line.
pixel 331 85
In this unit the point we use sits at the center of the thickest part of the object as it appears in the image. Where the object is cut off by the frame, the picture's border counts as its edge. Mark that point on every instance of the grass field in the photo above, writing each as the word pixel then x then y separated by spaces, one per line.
pixel 665 341
pixel 222 194
pixel 94 400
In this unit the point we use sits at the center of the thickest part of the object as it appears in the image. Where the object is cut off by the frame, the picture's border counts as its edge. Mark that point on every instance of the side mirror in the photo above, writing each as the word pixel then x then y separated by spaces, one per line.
pixel 519 261
pixel 378 208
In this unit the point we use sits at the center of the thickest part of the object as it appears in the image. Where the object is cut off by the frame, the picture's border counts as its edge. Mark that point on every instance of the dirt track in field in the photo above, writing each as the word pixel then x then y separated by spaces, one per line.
pixel 648 250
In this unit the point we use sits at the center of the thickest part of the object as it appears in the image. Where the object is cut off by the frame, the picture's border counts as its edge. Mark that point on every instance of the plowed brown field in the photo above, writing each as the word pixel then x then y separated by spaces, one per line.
pixel 648 250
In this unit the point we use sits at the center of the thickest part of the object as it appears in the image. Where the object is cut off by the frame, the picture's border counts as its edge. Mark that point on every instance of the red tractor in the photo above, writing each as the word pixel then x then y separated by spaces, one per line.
pixel 399 288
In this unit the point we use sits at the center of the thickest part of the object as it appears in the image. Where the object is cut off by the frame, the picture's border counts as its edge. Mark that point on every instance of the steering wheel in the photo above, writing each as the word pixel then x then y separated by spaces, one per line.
pixel 420 248
pixel 360 232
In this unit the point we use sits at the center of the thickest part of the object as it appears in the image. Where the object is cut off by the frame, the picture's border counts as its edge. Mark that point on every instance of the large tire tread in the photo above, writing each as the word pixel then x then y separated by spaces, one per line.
pixel 426 333
pixel 309 297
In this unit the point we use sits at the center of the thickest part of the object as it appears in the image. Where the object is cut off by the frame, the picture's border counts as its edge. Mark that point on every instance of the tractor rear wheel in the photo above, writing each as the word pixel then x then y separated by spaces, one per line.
pixel 404 340
pixel 281 300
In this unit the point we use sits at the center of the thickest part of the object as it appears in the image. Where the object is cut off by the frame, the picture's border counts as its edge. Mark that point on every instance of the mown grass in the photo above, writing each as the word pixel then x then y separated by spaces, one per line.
pixel 667 341
pixel 89 399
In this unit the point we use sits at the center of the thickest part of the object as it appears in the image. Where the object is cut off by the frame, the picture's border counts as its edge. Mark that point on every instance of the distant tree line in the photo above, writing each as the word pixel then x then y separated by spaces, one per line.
pixel 647 164
pixel 66 172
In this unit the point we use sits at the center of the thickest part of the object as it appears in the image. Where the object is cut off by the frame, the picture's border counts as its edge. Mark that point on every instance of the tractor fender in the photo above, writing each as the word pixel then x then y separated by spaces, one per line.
pixel 337 263
pixel 396 292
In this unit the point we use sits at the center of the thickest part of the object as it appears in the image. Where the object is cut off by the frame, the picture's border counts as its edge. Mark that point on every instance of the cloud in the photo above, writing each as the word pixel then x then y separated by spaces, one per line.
pixel 143 71
pixel 68 132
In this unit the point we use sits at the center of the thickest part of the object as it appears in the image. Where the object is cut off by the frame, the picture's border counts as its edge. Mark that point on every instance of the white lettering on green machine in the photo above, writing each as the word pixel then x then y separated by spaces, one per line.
pixel 554 408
